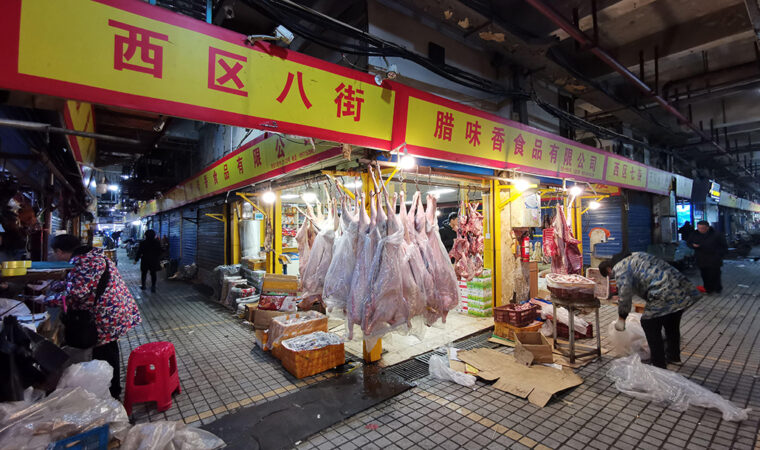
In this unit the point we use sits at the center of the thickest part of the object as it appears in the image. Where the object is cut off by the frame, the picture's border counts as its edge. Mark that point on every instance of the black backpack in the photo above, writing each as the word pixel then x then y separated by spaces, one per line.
pixel 81 329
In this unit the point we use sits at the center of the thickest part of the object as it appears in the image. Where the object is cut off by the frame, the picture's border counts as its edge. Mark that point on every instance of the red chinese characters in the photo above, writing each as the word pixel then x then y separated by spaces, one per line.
pixel 553 153
pixel 216 178
pixel 640 174
pixel 226 172
pixel 616 169
pixel 519 145
pixel 537 152
pixel 240 165
pixel 568 156
pixel 472 134
pixel 498 139
pixel 349 101
pixel 625 170
pixel 125 47
pixel 279 147
pixel 256 157
pixel 205 179
pixel 198 185
pixel 286 90
pixel 592 163
pixel 581 160
pixel 231 64
pixel 444 125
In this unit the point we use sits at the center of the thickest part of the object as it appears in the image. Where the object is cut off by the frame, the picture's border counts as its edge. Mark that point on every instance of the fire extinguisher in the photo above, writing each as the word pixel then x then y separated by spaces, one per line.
pixel 525 253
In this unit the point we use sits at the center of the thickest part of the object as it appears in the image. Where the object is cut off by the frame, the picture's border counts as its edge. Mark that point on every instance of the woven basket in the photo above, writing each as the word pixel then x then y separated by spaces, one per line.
pixel 311 362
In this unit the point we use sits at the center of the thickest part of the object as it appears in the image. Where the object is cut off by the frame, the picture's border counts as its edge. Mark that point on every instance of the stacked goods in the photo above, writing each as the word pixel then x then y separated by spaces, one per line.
pixel 480 296
pixel 570 287
pixel 310 354
pixel 293 325
pixel 463 298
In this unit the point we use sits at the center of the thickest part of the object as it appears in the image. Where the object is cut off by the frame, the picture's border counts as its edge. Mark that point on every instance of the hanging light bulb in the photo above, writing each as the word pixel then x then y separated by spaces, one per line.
pixel 594 205
pixel 309 197
pixel 521 185
pixel 576 190
pixel 407 162
pixel 268 197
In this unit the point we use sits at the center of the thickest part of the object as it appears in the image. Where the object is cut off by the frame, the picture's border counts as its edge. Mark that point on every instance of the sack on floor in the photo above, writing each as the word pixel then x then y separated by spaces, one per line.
pixel 630 341
pixel 653 384
pixel 93 376
pixel 167 434
pixel 439 369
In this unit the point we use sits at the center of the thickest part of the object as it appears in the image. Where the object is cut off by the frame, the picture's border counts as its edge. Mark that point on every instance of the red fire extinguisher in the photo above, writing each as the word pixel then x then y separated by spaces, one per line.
pixel 525 253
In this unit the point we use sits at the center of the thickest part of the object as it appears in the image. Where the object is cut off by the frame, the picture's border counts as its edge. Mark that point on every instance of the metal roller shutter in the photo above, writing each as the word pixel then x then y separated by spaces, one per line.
pixel 189 235
pixel 608 217
pixel 210 252
pixel 639 221
pixel 164 226
pixel 174 234
pixel 149 225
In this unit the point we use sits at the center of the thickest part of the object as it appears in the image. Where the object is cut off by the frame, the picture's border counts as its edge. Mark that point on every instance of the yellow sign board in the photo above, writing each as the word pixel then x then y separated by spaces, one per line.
pixel 263 158
pixel 622 171
pixel 142 57
pixel 80 116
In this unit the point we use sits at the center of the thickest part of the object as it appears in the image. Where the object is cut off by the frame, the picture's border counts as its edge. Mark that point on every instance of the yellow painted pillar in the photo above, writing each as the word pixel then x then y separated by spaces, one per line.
pixel 236 233
pixel 496 240
pixel 277 229
pixel 226 215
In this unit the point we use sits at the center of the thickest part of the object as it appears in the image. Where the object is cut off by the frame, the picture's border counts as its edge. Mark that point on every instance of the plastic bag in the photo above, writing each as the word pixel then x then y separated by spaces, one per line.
pixel 292 325
pixel 650 383
pixel 563 316
pixel 337 284
pixel 63 413
pixel 167 435
pixel 93 376
pixel 439 369
pixel 312 341
pixel 631 340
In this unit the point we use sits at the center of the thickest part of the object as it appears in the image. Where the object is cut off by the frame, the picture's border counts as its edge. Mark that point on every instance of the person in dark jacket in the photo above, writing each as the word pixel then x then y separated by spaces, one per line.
pixel 686 231
pixel 449 231
pixel 149 251
pixel 709 249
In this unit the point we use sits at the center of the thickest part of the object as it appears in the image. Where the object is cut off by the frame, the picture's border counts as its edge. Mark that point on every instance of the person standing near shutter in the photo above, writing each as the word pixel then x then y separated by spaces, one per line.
pixel 149 251
pixel 115 312
pixel 709 248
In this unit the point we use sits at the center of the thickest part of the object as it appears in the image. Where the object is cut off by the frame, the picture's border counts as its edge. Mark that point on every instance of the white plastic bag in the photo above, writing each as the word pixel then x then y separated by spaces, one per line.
pixel 631 340
pixel 439 369
pixel 93 376
pixel 166 435
pixel 651 383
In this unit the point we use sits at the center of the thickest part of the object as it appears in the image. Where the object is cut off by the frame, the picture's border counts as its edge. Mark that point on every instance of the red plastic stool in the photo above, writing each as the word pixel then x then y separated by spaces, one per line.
pixel 152 376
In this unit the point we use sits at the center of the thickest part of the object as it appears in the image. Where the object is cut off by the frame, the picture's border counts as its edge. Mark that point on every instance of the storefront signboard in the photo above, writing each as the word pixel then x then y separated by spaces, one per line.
pixel 137 56
pixel 266 157
pixel 80 116
pixel 624 172
pixel 659 181
pixel 683 186
pixel 728 200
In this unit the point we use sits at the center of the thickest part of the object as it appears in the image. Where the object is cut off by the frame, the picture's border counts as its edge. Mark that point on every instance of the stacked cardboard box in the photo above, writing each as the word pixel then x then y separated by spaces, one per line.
pixel 480 295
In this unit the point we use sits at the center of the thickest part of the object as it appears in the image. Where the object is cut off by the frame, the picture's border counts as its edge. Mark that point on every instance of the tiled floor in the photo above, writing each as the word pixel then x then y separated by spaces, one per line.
pixel 220 373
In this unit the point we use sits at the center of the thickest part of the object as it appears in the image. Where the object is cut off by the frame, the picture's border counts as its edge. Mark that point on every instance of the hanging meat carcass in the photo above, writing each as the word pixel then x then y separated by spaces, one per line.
pixel 467 250
pixel 567 258
pixel 337 285
pixel 312 283
pixel 446 287
pixel 305 238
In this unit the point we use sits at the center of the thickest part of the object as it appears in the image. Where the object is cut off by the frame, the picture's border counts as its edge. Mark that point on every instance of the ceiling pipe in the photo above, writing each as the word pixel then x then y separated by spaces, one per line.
pixel 45 128
pixel 589 44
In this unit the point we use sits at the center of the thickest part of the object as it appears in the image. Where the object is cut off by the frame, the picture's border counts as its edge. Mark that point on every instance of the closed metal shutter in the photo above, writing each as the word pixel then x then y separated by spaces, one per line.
pixel 189 235
pixel 149 225
pixel 608 217
pixel 174 234
pixel 210 250
pixel 55 223
pixel 164 226
pixel 639 221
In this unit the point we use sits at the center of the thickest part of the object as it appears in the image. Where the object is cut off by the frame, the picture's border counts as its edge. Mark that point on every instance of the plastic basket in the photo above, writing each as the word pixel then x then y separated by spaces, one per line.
pixel 507 331
pixel 578 289
pixel 95 439
pixel 519 318
pixel 562 332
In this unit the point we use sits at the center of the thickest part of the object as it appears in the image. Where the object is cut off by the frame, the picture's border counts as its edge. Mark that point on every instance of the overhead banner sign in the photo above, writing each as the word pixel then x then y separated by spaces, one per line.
pixel 138 56
pixel 263 158
pixel 80 116
pixel 659 181
pixel 683 186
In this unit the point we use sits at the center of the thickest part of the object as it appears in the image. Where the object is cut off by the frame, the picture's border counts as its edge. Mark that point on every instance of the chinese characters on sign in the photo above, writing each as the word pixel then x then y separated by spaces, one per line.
pixel 444 125
pixel 349 101
pixel 231 73
pixel 125 47
pixel 626 172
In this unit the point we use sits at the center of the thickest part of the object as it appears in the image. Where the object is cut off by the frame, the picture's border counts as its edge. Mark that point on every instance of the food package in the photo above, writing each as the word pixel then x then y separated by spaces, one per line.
pixel 271 302
pixel 477 312
pixel 292 325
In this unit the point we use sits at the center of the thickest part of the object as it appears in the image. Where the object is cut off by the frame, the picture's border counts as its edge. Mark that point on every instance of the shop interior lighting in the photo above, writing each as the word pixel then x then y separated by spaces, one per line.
pixel 521 184
pixel 309 197
pixel 136 223
pixel 353 184
pixel 594 204
pixel 576 190
pixel 289 196
pixel 113 187
pixel 437 212
pixel 438 192
pixel 407 161
pixel 268 197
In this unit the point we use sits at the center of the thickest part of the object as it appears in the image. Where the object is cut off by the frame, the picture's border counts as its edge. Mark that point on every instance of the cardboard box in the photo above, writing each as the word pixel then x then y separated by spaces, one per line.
pixel 536 344
pixel 250 311
pixel 536 383
pixel 261 337
pixel 311 362
pixel 262 318
pixel 280 283
pixel 296 324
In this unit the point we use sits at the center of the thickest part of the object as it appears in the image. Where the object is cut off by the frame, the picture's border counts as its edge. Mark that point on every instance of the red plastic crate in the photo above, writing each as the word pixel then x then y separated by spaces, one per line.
pixel 562 332
pixel 519 318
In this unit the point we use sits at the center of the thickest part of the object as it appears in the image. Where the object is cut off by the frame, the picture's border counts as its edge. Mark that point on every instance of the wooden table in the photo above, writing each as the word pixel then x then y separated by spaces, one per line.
pixel 37 275
pixel 568 348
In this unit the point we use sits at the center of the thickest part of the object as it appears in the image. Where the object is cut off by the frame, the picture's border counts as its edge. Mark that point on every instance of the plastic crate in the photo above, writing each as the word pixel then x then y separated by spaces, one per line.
pixel 562 332
pixel 95 439
pixel 519 318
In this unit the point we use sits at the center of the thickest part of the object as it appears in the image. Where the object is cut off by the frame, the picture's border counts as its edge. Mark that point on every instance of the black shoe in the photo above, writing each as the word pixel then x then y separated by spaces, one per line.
pixel 143 288
pixel 153 289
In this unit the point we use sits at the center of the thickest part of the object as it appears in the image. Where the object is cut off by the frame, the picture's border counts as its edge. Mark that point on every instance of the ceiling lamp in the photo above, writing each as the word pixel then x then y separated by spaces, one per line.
pixel 594 205
pixel 407 161
pixel 269 197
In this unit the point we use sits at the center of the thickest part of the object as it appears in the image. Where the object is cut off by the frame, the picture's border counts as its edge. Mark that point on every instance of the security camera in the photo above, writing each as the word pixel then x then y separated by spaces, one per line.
pixel 284 35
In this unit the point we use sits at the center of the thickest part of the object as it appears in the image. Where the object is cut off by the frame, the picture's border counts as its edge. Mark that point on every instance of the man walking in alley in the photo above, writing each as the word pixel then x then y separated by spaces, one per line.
pixel 667 293
pixel 709 247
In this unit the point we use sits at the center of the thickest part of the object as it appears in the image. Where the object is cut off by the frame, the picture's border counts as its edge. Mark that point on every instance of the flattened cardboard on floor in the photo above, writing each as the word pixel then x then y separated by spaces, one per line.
pixel 536 383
